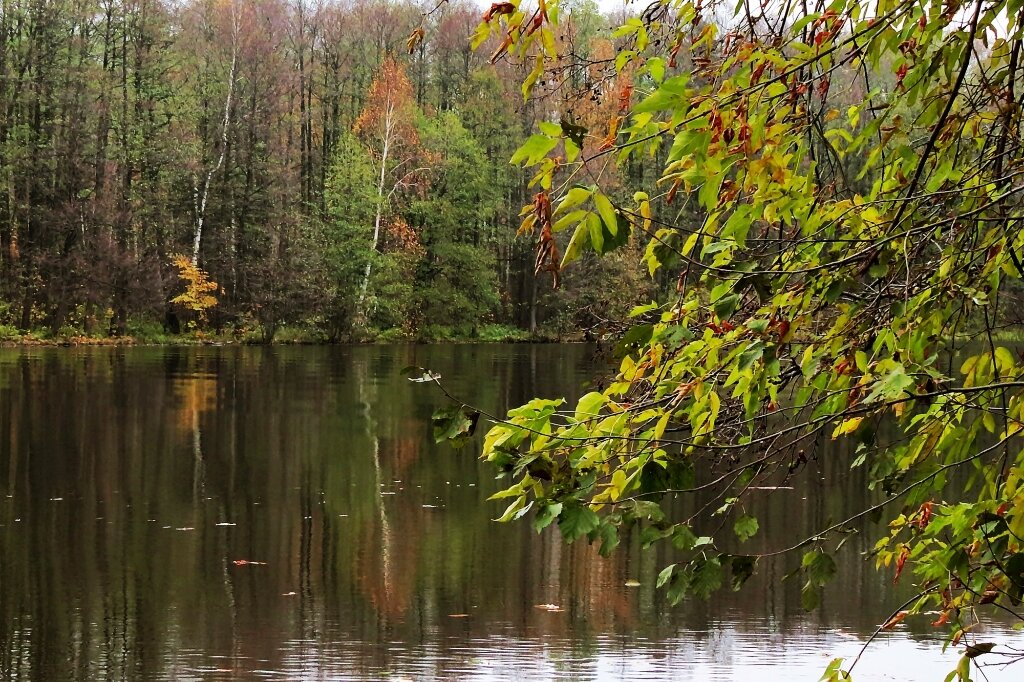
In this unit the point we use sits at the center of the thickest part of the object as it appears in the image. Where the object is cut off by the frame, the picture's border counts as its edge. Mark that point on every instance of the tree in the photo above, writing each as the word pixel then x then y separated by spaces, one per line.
pixel 351 199
pixel 456 277
pixel 201 185
pixel 386 123
pixel 852 178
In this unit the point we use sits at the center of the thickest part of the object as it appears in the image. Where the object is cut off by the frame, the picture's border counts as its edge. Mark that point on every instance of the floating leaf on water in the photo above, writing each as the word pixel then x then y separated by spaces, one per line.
pixel 288 594
pixel 548 607
pixel 458 615
pixel 632 583
pixel 246 562
pixel 186 528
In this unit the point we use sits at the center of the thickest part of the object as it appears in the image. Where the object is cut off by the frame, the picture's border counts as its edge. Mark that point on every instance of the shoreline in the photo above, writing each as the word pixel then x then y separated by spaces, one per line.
pixel 130 341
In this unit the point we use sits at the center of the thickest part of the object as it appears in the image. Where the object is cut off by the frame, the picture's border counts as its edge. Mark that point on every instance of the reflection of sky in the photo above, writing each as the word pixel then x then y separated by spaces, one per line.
pixel 724 655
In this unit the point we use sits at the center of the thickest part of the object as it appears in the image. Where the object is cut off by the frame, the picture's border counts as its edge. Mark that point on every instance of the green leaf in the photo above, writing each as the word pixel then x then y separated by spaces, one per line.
pixel 596 232
pixel 573 198
pixel 810 597
pixel 683 538
pixel 666 574
pixel 727 305
pixel 745 527
pixel 533 150
pixel 589 406
pixel 834 672
pixel 892 385
pixel 607 212
pixel 656 67
pixel 819 567
pixel 514 510
pixel 670 95
pixel 642 309
pixel 576 520
pixel 545 515
pixel 742 568
pixel 580 238
pixel 707 577
pixel 574 132
pixel 608 534
pixel 455 424
pixel 568 219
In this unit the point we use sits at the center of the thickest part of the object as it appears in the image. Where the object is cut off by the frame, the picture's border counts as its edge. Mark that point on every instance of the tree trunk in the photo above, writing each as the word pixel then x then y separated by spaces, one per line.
pixel 199 198
pixel 378 216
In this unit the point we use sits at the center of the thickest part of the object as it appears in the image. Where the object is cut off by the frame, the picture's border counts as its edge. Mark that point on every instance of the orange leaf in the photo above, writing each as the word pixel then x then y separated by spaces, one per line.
pixel 901 562
pixel 895 620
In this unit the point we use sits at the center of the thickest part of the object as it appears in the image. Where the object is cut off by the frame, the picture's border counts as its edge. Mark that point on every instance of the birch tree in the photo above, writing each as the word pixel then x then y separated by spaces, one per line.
pixel 386 125
pixel 201 191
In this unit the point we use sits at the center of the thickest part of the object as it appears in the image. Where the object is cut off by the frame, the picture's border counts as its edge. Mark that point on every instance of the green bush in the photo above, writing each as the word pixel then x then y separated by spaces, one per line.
pixel 502 333
pixel 391 335
pixel 147 330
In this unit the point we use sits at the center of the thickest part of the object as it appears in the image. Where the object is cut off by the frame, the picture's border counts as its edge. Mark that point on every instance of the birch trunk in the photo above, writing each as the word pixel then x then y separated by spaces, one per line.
pixel 389 124
pixel 200 196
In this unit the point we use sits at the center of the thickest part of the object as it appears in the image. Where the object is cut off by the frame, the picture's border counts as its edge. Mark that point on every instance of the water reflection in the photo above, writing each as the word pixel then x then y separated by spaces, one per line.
pixel 241 513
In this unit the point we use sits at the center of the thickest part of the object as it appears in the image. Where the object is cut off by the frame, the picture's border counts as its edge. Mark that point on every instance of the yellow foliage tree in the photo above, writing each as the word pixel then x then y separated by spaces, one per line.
pixel 198 296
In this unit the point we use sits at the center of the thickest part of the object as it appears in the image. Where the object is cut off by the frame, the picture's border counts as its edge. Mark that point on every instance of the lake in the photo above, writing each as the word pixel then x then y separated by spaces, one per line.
pixel 282 513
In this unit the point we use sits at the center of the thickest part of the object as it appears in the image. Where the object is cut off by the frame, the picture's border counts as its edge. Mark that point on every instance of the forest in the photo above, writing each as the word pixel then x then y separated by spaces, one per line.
pixel 795 224
pixel 217 168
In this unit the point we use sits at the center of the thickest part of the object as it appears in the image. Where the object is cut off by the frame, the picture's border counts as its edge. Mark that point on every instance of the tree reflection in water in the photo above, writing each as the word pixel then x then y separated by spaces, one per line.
pixel 380 556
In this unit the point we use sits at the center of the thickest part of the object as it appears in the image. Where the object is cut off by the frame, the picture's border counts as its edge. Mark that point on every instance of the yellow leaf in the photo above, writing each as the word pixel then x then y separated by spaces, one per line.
pixel 847 426
pixel 618 484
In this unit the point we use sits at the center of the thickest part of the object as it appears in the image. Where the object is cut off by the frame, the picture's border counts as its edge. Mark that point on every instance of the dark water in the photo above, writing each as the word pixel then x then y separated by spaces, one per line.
pixel 133 482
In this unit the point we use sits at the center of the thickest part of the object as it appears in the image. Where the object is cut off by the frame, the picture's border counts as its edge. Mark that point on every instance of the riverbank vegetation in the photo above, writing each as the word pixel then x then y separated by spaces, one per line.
pixel 838 203
pixel 236 170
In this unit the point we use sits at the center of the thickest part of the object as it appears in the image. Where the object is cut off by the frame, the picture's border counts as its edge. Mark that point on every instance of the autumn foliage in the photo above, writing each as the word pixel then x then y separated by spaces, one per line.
pixel 197 296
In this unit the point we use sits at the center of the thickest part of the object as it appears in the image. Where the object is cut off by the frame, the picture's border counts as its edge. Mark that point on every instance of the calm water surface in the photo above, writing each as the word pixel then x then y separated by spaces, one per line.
pixel 282 514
